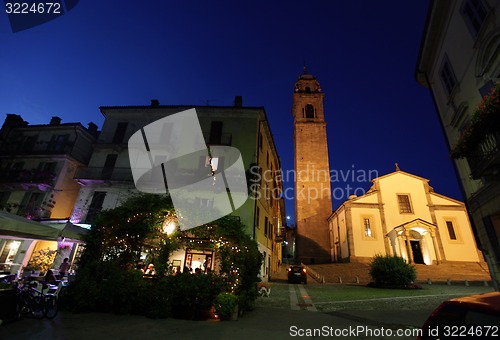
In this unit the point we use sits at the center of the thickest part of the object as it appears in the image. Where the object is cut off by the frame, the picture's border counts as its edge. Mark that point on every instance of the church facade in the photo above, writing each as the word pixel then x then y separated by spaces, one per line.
pixel 402 215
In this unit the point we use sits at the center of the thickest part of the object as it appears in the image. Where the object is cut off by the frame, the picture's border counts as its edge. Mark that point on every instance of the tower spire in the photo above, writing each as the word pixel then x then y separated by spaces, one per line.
pixel 305 67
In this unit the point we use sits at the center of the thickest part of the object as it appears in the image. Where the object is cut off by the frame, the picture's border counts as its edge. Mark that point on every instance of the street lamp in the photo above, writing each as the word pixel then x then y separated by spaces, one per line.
pixel 169 225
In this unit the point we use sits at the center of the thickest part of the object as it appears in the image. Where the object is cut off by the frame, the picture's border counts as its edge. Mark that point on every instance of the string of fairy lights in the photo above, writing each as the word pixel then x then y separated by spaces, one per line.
pixel 219 244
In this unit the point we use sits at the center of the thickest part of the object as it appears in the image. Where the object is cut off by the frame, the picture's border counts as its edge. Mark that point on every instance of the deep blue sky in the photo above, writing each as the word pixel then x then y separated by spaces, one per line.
pixel 197 52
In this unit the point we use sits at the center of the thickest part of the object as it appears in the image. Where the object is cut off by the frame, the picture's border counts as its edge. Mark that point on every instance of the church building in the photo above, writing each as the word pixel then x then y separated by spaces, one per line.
pixel 402 215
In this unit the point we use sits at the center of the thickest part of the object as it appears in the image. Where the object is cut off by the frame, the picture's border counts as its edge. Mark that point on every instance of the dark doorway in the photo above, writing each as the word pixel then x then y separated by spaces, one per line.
pixel 417 252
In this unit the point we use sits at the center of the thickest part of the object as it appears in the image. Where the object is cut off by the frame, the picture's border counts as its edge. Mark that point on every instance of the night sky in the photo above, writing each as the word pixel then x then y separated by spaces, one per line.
pixel 364 53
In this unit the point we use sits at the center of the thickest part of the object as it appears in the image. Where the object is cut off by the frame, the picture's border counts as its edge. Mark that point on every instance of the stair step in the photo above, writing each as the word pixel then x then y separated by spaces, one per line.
pixel 360 272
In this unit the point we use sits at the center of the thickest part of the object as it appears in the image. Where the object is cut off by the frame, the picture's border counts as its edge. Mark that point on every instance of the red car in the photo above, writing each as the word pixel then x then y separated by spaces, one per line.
pixel 474 316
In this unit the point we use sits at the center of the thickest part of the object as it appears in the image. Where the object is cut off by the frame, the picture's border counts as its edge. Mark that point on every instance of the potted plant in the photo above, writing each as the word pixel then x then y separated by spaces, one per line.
pixel 226 306
pixel 485 121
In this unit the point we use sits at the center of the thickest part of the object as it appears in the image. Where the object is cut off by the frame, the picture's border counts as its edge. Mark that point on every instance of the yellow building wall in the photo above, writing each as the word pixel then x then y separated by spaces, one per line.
pixel 365 246
pixel 400 183
pixel 66 192
pixel 337 225
pixel 464 247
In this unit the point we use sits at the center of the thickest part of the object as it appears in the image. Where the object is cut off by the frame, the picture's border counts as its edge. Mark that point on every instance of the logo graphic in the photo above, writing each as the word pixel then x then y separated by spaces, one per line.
pixel 28 13
pixel 170 155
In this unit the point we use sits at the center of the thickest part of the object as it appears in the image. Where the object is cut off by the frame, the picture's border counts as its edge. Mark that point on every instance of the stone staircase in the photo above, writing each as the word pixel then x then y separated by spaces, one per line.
pixel 346 273
pixel 358 273
pixel 453 271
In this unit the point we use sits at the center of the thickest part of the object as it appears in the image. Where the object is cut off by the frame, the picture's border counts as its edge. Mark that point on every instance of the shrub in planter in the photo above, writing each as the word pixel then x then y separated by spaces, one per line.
pixel 154 299
pixel 194 295
pixel 105 287
pixel 226 305
pixel 246 299
pixel 391 271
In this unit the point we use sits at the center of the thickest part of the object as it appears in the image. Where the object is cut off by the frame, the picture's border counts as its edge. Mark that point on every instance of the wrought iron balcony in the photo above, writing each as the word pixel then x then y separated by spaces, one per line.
pixel 28 177
pixel 105 174
pixel 484 161
pixel 49 148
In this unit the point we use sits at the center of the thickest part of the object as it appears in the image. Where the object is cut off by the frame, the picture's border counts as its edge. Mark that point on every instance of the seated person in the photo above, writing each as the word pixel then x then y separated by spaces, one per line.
pixel 139 267
pixel 50 278
pixel 151 270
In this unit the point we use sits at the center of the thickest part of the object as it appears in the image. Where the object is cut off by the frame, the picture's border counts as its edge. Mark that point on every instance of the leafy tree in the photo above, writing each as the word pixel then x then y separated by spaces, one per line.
pixel 121 234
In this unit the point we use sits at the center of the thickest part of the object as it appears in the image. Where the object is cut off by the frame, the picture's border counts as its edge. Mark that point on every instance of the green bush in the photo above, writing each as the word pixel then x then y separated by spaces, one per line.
pixel 105 287
pixel 104 282
pixel 194 294
pixel 154 300
pixel 391 271
pixel 225 303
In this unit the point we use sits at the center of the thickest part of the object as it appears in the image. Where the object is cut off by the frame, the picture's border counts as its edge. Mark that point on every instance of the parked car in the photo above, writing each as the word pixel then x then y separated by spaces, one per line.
pixel 297 273
pixel 474 316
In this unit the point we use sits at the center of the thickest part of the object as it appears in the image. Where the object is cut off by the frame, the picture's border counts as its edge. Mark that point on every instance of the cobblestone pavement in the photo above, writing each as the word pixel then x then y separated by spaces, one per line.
pixel 288 312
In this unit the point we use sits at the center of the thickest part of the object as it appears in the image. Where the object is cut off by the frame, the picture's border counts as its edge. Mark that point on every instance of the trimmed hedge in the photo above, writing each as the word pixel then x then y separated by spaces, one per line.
pixel 392 271
pixel 114 290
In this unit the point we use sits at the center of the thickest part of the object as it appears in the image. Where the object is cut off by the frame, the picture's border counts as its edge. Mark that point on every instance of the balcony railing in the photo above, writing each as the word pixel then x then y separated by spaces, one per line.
pixel 102 173
pixel 484 161
pixel 30 211
pixel 28 176
pixel 47 148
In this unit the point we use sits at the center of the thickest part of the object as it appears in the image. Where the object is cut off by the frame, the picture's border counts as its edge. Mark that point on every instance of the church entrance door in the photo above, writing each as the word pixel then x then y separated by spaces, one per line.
pixel 417 252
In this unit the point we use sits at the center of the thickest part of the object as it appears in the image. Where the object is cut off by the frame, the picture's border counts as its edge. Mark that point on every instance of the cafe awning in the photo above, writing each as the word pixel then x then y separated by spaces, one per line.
pixel 18 227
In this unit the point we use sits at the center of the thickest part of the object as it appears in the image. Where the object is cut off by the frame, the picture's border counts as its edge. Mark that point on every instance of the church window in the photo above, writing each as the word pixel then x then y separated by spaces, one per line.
pixel 309 111
pixel 404 204
pixel 368 228
pixel 474 13
pixel 451 230
pixel 447 76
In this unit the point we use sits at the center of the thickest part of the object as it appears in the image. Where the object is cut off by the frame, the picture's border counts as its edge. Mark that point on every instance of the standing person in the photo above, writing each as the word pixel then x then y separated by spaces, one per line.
pixel 64 268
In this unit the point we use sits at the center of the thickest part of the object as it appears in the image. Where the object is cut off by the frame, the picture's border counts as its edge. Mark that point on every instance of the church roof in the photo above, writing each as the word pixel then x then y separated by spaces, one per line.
pixel 401 172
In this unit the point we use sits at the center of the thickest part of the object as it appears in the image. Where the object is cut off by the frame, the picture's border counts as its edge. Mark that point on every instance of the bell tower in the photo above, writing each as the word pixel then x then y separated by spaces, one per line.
pixel 313 203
